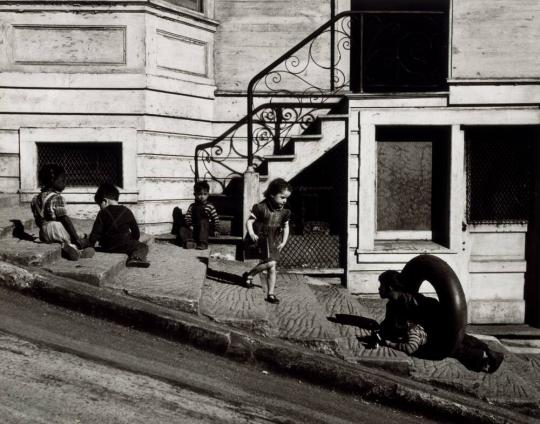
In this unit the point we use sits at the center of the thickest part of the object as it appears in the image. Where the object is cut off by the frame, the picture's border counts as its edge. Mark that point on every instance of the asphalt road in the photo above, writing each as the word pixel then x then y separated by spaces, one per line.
pixel 57 366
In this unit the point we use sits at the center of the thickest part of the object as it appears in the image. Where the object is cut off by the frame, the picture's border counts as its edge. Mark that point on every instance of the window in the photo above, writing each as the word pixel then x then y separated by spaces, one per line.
pixel 413 172
pixel 399 46
pixel 86 164
pixel 196 5
pixel 499 174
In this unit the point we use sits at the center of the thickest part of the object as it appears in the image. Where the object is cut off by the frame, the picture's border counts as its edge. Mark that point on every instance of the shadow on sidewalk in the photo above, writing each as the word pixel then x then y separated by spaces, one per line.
pixel 224 277
pixel 355 321
pixel 19 232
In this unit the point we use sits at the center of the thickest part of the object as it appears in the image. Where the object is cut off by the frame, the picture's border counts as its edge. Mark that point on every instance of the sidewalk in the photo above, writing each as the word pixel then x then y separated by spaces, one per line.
pixel 194 296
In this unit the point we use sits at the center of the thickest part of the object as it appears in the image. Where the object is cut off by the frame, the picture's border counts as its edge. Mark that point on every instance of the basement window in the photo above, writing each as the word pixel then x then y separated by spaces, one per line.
pixel 86 164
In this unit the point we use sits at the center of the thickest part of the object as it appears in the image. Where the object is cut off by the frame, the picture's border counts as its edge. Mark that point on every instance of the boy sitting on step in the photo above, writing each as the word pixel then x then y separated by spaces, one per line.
pixel 201 219
pixel 116 229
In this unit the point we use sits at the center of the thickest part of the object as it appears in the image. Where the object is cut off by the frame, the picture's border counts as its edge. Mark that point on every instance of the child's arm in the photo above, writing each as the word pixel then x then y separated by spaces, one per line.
pixel 416 338
pixel 97 230
pixel 187 218
pixel 133 226
pixel 285 236
pixel 214 217
pixel 68 225
pixel 249 226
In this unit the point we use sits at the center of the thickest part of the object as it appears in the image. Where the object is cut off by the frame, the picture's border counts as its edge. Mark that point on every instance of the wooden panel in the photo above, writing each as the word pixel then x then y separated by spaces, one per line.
pixel 182 54
pixel 497 286
pixel 9 165
pixel 495 39
pixel 69 45
pixel 254 33
pixel 509 245
pixel 9 141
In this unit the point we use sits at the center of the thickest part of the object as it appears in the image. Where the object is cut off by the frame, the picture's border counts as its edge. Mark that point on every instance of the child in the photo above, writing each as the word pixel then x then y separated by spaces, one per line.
pixel 201 219
pixel 116 228
pixel 410 321
pixel 50 214
pixel 268 227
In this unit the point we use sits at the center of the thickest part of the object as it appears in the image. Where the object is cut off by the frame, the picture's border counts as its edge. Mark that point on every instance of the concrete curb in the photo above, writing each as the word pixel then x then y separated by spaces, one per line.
pixel 369 383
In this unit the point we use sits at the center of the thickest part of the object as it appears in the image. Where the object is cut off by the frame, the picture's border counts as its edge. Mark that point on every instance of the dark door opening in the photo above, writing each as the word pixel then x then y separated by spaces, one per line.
pixel 399 46
pixel 319 213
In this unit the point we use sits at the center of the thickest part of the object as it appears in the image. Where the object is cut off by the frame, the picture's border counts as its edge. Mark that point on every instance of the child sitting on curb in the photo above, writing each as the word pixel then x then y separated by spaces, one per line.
pixel 116 229
pixel 200 220
pixel 50 214
pixel 410 320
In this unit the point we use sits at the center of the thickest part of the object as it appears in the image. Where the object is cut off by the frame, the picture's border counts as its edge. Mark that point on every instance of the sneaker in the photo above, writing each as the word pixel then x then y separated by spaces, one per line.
pixel 190 244
pixel 70 252
pixel 494 360
pixel 202 246
pixel 136 262
pixel 88 252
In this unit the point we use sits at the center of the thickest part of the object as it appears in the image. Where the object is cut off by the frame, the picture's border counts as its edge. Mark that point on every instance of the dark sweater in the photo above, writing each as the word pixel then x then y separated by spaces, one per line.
pixel 114 227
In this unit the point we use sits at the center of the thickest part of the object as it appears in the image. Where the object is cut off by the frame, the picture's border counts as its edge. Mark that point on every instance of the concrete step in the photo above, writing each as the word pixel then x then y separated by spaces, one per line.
pixel 102 267
pixel 174 279
pixel 23 252
pixel 226 300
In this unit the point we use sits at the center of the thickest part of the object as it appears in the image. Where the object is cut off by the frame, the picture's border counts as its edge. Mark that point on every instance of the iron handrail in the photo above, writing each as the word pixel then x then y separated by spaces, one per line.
pixel 323 28
pixel 237 125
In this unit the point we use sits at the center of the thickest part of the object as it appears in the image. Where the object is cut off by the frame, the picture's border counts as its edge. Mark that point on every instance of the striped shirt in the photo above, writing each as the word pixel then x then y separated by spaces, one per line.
pixel 208 210
pixel 416 338
pixel 49 205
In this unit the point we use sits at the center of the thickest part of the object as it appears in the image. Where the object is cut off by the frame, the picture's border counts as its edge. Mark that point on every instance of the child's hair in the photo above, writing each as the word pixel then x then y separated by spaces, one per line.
pixel 277 186
pixel 392 279
pixel 48 174
pixel 201 186
pixel 106 191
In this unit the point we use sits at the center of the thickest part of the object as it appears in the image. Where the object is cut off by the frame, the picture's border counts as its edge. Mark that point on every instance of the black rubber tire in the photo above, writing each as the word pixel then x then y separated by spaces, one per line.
pixel 449 324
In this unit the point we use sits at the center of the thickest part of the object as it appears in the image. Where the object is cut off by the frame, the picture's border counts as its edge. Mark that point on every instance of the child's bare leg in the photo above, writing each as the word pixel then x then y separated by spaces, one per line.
pixel 258 269
pixel 271 277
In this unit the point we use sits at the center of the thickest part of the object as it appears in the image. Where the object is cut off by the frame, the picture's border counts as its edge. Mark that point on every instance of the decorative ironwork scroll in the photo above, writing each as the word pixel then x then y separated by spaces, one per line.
pixel 375 51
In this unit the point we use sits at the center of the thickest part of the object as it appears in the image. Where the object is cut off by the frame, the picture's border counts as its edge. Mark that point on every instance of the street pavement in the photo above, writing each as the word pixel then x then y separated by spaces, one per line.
pixel 313 315
pixel 58 366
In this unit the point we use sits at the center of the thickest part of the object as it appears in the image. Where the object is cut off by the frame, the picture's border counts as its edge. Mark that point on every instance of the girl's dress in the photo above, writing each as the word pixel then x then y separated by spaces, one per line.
pixel 47 207
pixel 269 223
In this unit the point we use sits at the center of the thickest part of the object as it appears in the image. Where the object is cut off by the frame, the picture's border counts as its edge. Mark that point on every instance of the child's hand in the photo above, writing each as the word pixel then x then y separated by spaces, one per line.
pixel 254 236
pixel 280 246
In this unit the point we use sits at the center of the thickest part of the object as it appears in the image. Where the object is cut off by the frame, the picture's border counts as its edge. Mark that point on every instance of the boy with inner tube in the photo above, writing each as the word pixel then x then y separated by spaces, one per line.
pixel 410 320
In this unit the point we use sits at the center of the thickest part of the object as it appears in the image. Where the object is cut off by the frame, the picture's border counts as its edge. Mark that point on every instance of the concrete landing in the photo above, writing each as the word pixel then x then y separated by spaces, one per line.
pixel 300 318
pixel 174 279
pixel 28 253
pixel 226 300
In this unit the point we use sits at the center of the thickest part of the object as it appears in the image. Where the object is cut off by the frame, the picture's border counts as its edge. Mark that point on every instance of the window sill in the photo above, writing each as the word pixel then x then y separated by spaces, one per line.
pixel 82 195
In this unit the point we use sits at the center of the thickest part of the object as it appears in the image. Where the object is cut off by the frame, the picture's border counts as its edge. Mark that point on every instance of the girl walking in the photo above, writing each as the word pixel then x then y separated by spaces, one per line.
pixel 268 228
pixel 50 214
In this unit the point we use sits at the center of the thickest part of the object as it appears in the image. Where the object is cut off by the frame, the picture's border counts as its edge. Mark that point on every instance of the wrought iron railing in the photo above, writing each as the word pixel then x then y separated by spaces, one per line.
pixel 286 96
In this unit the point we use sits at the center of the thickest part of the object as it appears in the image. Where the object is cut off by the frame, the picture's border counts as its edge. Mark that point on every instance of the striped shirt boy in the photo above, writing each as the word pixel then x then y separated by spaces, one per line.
pixel 198 211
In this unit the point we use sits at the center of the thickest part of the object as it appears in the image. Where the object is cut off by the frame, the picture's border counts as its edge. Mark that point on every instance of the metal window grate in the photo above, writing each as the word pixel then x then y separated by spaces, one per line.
pixel 315 250
pixel 86 164
pixel 498 179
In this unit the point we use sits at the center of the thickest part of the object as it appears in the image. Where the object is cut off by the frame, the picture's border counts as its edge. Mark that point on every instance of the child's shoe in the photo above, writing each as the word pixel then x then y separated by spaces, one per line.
pixel 272 298
pixel 202 246
pixel 136 262
pixel 87 252
pixel 190 244
pixel 70 252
